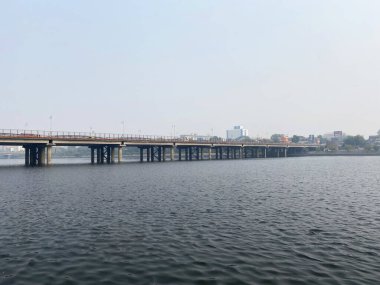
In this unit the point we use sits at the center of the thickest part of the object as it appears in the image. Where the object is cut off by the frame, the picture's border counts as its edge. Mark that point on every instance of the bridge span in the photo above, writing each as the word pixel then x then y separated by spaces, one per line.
pixel 104 147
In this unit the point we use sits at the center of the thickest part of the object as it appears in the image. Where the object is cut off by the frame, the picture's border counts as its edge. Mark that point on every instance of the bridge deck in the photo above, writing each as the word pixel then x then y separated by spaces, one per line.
pixel 22 137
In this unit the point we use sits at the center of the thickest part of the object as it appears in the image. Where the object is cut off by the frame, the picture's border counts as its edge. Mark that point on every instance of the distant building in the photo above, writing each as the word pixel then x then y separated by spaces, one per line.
pixel 336 137
pixel 284 139
pixel 237 132
pixel 374 140
pixel 313 139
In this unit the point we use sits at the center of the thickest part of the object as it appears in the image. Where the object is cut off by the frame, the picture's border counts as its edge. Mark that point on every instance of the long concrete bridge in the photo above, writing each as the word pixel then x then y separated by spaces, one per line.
pixel 104 147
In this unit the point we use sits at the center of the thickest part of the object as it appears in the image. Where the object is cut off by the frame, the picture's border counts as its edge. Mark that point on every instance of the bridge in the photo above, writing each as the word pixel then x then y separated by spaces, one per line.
pixel 103 147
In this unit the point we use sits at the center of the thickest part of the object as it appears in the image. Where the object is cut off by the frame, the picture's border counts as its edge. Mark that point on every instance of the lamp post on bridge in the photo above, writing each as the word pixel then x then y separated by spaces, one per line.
pixel 51 124
pixel 173 128
pixel 123 125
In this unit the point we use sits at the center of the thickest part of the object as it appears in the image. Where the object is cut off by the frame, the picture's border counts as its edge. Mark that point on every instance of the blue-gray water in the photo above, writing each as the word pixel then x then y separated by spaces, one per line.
pixel 275 221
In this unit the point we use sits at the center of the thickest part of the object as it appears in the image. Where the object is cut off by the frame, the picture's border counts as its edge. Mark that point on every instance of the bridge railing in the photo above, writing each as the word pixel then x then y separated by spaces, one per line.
pixel 55 135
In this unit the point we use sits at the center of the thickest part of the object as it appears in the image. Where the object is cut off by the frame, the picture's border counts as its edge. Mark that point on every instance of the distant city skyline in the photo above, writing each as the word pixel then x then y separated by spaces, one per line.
pixel 291 67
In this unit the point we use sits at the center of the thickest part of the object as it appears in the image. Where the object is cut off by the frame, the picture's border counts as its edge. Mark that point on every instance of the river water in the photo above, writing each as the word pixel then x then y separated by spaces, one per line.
pixel 310 220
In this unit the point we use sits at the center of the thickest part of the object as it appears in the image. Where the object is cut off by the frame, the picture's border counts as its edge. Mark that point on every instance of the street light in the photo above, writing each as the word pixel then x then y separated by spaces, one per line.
pixel 173 127
pixel 51 122
pixel 123 124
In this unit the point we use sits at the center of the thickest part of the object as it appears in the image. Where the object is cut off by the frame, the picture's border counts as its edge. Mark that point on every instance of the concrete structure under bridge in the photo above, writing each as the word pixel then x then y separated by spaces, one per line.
pixel 104 147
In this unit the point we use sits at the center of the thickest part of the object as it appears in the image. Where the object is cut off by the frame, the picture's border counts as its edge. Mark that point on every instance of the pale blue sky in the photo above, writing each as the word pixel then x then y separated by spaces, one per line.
pixel 293 67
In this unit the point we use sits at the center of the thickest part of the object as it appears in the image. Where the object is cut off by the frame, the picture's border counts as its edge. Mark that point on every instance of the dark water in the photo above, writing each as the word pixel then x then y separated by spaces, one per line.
pixel 275 221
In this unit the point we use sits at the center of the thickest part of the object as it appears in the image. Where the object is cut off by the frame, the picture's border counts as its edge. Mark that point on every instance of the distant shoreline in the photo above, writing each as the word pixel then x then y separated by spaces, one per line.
pixel 336 154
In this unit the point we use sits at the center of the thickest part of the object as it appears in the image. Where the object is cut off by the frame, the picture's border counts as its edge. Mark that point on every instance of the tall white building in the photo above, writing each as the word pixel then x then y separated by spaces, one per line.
pixel 237 132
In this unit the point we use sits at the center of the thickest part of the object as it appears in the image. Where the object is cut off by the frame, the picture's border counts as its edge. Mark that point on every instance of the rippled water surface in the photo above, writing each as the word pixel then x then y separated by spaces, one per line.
pixel 274 221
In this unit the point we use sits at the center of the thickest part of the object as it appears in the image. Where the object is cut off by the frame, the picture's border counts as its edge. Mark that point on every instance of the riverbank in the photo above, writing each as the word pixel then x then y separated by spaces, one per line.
pixel 336 153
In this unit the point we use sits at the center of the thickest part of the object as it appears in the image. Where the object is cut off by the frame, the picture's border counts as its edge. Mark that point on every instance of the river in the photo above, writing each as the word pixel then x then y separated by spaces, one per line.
pixel 308 220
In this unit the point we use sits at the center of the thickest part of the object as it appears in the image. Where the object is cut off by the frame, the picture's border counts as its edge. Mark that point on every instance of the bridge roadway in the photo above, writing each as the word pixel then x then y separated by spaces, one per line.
pixel 38 147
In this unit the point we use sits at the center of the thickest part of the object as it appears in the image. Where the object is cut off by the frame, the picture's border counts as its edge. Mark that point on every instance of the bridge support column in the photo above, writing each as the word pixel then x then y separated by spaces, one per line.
pixel 119 154
pixel 112 153
pixel 197 153
pixel 278 152
pixel 179 154
pixel 27 155
pixel 152 153
pixel 98 150
pixel 32 156
pixel 172 149
pixel 49 150
pixel 160 151
pixel 228 152
pixel 190 153
pixel 186 153
pixel 285 152
pixel 141 154
pixel 35 155
pixel 102 155
pixel 265 152
pixel 41 155
pixel 209 153
pixel 98 155
pixel 108 156
pixel 92 154
pixel 148 156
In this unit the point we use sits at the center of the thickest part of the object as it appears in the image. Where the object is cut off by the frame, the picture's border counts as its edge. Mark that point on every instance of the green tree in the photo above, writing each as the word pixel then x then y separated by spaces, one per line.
pixel 356 141
pixel 276 138
pixel 321 139
pixel 368 147
pixel 332 146
pixel 244 138
pixel 295 139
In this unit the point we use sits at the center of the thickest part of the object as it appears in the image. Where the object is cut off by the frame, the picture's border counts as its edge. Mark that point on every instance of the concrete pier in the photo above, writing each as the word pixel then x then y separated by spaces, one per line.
pixel 35 154
pixel 119 154
pixel 41 155
pixel 27 155
pixel 49 151
pixel 92 155
pixel 112 148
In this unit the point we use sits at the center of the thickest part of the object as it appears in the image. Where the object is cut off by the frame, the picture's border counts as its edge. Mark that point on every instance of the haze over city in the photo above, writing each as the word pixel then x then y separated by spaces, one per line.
pixel 293 67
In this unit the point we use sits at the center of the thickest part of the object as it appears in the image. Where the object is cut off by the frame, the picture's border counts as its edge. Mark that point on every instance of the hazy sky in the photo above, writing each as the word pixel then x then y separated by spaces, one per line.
pixel 293 67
